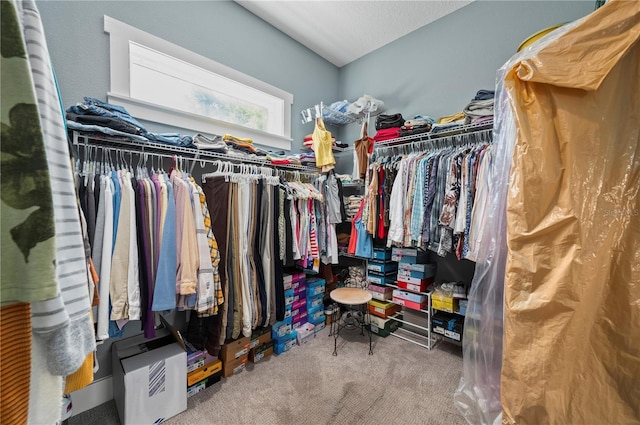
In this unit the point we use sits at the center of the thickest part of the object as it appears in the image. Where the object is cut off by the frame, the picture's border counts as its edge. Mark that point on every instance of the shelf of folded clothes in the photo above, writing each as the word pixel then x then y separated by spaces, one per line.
pixel 437 131
pixel 98 122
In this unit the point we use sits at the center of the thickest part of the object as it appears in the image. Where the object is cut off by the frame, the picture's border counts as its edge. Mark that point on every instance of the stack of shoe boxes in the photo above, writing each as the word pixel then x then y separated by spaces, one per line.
pixel 292 282
pixel 261 345
pixel 414 277
pixel 381 272
pixel 234 356
pixel 284 336
pixel 449 302
pixel 381 269
pixel 283 332
pixel 299 305
pixel 203 370
pixel 315 305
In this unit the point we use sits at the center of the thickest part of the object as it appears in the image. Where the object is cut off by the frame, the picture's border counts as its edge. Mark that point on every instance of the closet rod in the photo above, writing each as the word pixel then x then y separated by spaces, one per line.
pixel 479 137
pixel 217 162
pixel 190 153
pixel 416 138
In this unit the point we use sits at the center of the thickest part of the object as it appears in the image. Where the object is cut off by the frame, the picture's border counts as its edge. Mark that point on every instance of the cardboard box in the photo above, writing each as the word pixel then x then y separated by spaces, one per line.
pixel 296 284
pixel 409 255
pixel 195 364
pixel 305 333
pixel 288 296
pixel 302 289
pixel 205 383
pixel 414 280
pixel 378 279
pixel 235 349
pixel 319 319
pixel 444 303
pixel 315 302
pixel 234 366
pixel 383 309
pixel 287 311
pixel 149 378
pixel 383 327
pixel 282 328
pixel 415 287
pixel 299 319
pixel 195 357
pixel 298 311
pixel 381 267
pixel 423 271
pixel 289 279
pixel 315 286
pixel 381 254
pixel 313 291
pixel 261 352
pixel 285 343
pixel 315 314
pixel 203 372
pixel 448 325
pixel 319 326
pixel 381 293
pixel 410 296
pixel 411 304
pixel 297 305
pixel 284 346
pixel 260 336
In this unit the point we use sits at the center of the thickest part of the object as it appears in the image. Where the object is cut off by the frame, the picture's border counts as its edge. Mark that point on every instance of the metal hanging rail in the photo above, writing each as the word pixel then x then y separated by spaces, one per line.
pixel 434 137
pixel 81 139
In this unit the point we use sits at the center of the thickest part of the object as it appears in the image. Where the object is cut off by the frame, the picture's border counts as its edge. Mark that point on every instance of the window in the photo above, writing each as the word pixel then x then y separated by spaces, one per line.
pixel 161 82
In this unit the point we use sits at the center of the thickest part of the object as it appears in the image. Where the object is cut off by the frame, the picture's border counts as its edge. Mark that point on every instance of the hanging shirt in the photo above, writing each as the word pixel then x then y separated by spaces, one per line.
pixel 164 288
pixel 214 252
pixel 118 285
pixel 322 146
pixel 133 273
pixel 395 235
pixel 205 285
pixel 106 203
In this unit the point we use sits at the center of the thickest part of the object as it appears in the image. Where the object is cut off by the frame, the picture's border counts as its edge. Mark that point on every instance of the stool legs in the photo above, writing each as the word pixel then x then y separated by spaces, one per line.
pixel 364 322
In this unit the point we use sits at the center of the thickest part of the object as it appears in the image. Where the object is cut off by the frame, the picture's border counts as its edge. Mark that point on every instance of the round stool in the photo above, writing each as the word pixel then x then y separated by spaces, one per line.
pixel 350 297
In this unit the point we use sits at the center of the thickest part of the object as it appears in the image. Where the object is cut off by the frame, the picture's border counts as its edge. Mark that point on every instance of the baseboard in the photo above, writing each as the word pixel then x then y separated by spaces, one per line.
pixel 99 392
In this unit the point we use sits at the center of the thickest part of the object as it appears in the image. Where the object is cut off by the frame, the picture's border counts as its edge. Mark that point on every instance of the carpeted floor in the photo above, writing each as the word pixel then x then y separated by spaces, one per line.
pixel 401 383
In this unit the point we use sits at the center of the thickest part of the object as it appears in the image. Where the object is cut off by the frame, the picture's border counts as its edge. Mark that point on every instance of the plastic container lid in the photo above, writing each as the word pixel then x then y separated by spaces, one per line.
pixel 538 35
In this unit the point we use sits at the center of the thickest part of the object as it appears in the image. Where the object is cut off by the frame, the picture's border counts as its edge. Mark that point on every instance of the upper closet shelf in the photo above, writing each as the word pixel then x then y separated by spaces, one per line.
pixel 344 112
pixel 81 138
pixel 436 135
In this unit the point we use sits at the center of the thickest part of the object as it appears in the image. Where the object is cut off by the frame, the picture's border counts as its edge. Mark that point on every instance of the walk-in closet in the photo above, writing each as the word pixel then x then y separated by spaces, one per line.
pixel 320 212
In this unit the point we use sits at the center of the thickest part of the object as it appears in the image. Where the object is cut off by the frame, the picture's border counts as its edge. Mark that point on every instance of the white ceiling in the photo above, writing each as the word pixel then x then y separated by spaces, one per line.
pixel 343 31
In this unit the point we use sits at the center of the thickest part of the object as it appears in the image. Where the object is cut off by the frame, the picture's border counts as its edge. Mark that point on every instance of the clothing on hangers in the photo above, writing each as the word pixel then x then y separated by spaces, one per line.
pixel 433 196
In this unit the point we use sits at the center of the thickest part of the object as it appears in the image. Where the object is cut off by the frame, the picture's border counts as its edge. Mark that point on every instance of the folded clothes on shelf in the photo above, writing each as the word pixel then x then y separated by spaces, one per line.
pixel 365 104
pixel 449 119
pixel 74 125
pixel 387 134
pixel 213 143
pixel 103 115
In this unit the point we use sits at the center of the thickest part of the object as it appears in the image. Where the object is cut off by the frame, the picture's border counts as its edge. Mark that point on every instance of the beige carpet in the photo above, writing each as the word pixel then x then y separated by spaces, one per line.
pixel 401 383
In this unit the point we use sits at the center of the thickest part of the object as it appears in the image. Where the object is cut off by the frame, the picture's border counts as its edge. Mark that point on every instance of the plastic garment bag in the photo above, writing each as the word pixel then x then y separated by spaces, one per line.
pixel 572 283
pixel 478 394
pixel 564 203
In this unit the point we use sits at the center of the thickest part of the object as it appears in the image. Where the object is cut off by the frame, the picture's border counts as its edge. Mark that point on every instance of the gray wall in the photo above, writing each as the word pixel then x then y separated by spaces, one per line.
pixel 437 69
pixel 220 30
